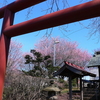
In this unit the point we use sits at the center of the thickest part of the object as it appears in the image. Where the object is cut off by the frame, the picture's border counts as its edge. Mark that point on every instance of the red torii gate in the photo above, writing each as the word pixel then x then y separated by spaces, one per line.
pixel 69 15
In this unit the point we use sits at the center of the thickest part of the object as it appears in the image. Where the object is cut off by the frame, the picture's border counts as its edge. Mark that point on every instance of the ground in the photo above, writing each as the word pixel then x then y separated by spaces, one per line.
pixel 63 96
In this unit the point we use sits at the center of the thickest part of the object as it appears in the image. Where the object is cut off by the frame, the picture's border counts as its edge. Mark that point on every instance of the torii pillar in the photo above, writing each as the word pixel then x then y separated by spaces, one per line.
pixel 4 47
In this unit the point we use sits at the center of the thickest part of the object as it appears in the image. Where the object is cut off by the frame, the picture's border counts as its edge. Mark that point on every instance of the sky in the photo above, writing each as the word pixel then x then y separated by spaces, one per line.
pixel 77 31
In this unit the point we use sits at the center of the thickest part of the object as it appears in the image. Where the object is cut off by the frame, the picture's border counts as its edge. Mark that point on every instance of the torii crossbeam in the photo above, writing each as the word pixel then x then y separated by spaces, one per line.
pixel 80 12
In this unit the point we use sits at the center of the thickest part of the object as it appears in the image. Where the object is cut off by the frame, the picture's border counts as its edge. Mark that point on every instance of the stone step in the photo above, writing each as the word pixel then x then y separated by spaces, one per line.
pixel 90 98
pixel 76 97
pixel 89 95
pixel 89 88
pixel 91 92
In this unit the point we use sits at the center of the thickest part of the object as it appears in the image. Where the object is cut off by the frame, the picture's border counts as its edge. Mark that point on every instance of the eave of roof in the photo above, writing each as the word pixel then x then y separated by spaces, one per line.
pixel 73 70
pixel 95 61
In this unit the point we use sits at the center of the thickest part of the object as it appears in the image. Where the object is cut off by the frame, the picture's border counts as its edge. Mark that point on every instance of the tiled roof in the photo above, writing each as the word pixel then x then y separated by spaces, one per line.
pixel 69 69
pixel 95 61
pixel 74 66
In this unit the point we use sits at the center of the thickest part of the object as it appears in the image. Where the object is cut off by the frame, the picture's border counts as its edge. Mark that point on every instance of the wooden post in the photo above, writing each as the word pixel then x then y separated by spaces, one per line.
pixel 70 88
pixel 81 88
pixel 99 75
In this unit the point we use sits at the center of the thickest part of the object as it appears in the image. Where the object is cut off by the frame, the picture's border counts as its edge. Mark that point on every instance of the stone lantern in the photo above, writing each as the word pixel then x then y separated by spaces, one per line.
pixel 52 91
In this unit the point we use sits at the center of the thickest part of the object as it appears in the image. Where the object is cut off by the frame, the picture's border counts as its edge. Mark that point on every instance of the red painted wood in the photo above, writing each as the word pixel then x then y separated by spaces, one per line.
pixel 69 15
pixel 19 5
pixel 4 48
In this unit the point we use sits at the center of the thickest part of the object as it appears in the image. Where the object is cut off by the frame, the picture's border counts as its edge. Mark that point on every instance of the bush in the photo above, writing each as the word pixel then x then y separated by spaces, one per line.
pixel 23 87
pixel 61 80
pixel 66 85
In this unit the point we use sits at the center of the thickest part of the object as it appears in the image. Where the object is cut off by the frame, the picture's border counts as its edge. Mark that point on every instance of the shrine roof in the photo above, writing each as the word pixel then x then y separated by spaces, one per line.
pixel 95 60
pixel 69 69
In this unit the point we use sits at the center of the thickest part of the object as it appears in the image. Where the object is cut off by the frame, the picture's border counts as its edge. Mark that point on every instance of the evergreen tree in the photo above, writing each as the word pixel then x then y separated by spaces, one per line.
pixel 42 65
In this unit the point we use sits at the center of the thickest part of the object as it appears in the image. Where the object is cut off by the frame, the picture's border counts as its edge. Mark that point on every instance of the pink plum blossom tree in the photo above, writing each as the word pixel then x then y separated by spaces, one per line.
pixel 15 55
pixel 65 51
